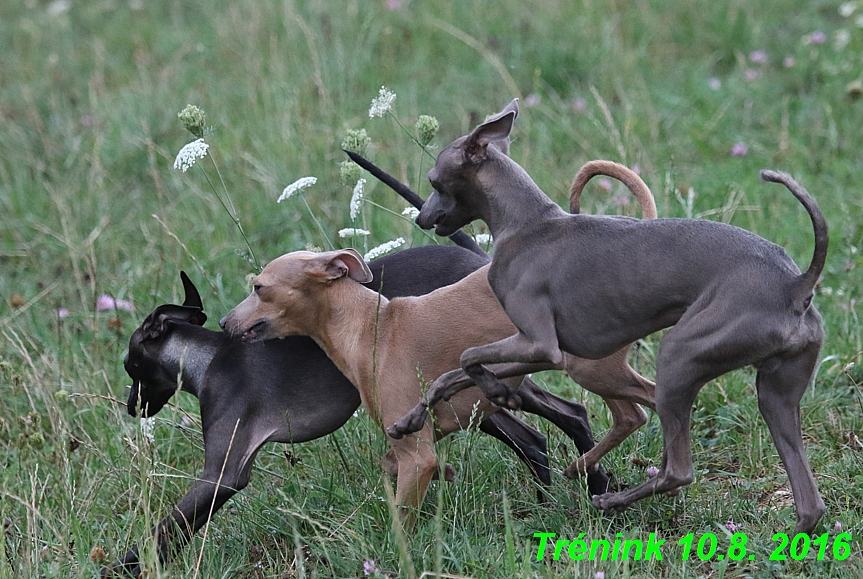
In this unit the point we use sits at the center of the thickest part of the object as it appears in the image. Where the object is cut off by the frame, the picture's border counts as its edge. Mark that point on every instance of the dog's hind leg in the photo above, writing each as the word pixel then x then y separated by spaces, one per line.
pixel 627 417
pixel 620 387
pixel 673 403
pixel 679 377
pixel 528 444
pixel 571 418
pixel 779 394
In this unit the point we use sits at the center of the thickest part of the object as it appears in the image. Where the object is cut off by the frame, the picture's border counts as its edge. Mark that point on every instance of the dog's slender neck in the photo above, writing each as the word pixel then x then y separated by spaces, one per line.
pixel 349 319
pixel 188 355
pixel 507 180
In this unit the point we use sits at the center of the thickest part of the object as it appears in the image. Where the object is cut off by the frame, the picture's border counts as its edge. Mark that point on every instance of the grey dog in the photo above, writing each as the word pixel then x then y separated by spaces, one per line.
pixel 587 285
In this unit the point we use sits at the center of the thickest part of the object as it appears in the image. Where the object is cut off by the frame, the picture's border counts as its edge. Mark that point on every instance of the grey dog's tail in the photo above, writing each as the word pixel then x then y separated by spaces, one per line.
pixel 460 238
pixel 617 171
pixel 809 278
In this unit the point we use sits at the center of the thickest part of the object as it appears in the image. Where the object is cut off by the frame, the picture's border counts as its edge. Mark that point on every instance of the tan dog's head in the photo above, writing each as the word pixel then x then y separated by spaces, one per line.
pixel 285 295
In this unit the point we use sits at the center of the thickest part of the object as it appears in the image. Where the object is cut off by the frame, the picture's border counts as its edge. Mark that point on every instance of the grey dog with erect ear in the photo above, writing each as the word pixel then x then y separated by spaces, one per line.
pixel 587 285
pixel 387 348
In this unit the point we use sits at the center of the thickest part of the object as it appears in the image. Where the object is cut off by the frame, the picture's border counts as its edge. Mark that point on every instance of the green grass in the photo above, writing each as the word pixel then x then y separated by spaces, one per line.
pixel 90 205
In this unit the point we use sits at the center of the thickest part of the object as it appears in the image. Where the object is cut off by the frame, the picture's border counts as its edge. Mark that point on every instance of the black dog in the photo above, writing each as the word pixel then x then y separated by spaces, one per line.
pixel 289 391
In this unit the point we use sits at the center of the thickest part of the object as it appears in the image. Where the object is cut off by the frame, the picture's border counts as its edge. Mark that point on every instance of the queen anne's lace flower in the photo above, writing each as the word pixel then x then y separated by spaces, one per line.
pixel 357 141
pixel 193 119
pixel 148 426
pixel 483 238
pixel 411 212
pixel 349 172
pixel 383 103
pixel 357 198
pixel 383 248
pixel 426 127
pixel 187 156
pixel 297 185
pixel 351 232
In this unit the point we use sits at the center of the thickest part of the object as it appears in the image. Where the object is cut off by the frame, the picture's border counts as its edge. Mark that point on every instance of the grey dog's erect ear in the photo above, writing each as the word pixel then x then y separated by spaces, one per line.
pixel 332 265
pixel 495 131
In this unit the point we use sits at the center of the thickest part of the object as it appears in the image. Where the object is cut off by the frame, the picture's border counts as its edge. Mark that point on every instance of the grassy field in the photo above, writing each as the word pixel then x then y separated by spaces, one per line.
pixel 698 95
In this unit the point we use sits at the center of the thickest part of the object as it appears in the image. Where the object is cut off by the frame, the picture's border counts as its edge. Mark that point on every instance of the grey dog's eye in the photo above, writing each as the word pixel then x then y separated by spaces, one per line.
pixel 257 287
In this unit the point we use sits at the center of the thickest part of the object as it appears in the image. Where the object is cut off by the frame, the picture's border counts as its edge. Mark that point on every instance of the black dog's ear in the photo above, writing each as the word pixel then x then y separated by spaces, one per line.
pixel 156 323
pixel 193 300
pixel 494 131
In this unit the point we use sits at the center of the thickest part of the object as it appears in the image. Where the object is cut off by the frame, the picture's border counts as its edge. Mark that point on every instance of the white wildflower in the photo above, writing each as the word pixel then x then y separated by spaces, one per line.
pixel 197 149
pixel 297 185
pixel 483 238
pixel 356 198
pixel 351 232
pixel 411 212
pixel 383 248
pixel 58 7
pixel 148 425
pixel 847 9
pixel 383 103
pixel 841 39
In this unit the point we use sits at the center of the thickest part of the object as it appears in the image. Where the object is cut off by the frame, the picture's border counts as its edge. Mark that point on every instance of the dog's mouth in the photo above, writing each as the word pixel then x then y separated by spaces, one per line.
pixel 442 229
pixel 253 333
pixel 132 402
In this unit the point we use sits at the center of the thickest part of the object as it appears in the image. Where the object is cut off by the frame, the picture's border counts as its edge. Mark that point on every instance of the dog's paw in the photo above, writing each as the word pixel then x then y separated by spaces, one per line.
pixel 610 503
pixel 395 432
pixel 408 424
pixel 448 473
pixel 497 393
pixel 514 402
pixel 505 399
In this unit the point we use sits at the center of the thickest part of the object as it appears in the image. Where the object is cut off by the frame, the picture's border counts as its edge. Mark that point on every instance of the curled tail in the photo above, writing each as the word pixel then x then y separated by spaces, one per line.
pixel 808 278
pixel 460 238
pixel 617 171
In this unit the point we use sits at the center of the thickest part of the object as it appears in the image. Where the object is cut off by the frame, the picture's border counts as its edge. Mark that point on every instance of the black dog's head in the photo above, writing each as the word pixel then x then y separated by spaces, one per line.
pixel 458 195
pixel 153 384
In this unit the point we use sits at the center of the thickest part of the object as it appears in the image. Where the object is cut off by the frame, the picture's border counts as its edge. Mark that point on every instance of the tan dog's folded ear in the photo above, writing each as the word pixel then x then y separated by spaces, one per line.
pixel 332 265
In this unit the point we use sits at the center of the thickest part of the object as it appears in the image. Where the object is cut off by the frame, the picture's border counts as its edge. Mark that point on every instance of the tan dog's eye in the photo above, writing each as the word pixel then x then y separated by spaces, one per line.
pixel 257 287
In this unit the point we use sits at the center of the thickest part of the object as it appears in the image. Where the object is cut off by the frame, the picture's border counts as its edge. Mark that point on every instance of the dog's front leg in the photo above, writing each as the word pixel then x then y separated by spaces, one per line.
pixel 517 355
pixel 174 531
pixel 444 388
pixel 418 464
pixel 453 382
pixel 230 454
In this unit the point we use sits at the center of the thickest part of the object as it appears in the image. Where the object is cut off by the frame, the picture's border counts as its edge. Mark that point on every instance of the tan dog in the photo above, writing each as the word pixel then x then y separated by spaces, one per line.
pixel 388 349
